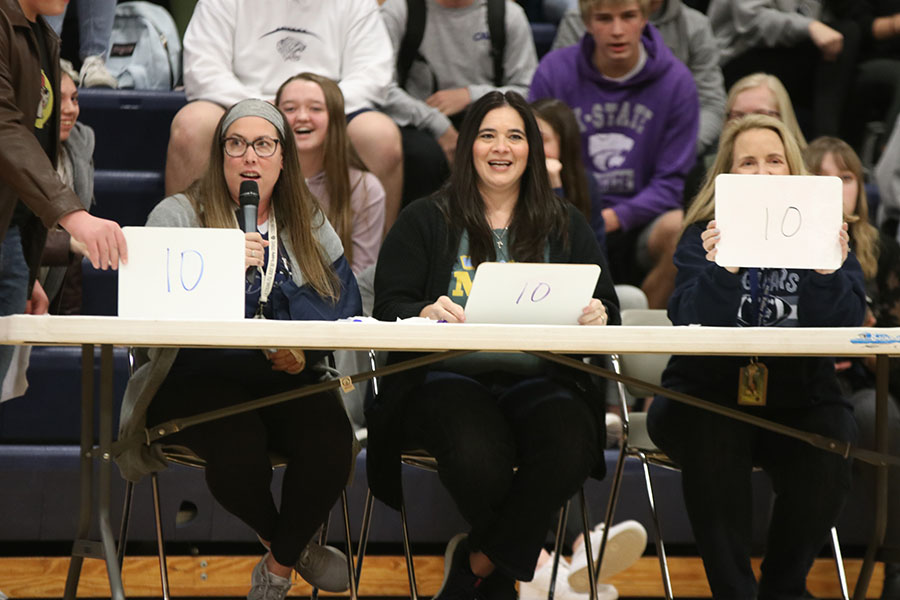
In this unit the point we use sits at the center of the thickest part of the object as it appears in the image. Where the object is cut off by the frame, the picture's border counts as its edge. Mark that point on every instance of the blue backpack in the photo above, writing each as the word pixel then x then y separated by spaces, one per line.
pixel 144 48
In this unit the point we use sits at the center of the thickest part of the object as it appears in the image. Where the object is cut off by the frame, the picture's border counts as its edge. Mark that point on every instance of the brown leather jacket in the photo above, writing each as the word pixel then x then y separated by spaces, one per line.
pixel 25 171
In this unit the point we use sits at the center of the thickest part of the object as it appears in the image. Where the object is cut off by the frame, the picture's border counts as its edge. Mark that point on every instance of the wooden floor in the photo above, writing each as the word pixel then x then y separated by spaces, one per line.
pixel 228 577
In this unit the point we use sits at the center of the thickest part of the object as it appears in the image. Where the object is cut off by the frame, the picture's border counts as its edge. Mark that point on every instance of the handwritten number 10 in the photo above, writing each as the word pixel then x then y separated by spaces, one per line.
pixel 181 270
pixel 784 222
pixel 538 293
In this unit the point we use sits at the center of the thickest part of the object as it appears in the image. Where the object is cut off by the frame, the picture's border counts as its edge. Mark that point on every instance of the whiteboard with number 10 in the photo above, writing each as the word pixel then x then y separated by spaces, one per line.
pixel 771 221
pixel 182 273
pixel 530 293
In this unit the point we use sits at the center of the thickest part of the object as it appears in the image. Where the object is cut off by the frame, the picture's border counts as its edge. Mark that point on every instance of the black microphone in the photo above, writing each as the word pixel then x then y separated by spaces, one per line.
pixel 249 200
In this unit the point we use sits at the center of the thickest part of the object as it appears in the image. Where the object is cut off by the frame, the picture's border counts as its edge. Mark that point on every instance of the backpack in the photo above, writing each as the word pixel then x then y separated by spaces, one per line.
pixel 144 48
pixel 415 31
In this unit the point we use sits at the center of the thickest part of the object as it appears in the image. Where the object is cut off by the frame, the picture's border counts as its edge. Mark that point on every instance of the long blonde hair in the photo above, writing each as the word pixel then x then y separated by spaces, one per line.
pixel 339 158
pixel 782 100
pixel 295 208
pixel 703 208
pixel 863 235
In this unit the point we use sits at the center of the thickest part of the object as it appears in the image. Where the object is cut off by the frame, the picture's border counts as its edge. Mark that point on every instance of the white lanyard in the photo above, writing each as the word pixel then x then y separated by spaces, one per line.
pixel 268 277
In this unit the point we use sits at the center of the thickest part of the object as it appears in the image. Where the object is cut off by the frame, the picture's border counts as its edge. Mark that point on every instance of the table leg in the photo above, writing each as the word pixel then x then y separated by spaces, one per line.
pixel 106 439
pixel 881 477
pixel 83 547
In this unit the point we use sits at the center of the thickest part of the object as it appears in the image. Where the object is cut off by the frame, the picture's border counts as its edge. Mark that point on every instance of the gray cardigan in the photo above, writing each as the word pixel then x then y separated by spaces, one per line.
pixel 134 463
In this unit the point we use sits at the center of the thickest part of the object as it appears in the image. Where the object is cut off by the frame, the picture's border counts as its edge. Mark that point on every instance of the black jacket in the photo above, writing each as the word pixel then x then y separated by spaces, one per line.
pixel 707 294
pixel 413 270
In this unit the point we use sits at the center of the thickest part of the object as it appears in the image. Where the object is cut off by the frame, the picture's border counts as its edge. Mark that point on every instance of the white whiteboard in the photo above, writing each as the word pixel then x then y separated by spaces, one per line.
pixel 530 293
pixel 182 273
pixel 772 221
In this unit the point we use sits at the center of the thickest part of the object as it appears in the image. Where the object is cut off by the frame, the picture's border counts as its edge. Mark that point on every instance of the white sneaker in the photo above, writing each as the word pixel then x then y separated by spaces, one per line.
pixel 537 588
pixel 614 430
pixel 624 546
pixel 95 74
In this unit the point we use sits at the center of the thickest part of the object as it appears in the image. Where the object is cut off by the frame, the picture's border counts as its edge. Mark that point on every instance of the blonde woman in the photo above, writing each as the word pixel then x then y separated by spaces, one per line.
pixel 763 94
pixel 801 392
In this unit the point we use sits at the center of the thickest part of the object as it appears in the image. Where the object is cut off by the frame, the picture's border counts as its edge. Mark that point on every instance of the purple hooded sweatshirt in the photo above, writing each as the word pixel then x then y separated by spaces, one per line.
pixel 638 137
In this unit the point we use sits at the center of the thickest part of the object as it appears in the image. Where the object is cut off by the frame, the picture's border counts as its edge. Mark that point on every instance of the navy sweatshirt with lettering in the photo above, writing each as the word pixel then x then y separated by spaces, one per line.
pixel 707 294
pixel 638 136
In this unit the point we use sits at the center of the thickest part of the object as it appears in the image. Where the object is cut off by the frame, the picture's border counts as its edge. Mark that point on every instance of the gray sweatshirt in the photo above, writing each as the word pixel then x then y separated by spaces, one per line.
pixel 887 177
pixel 743 24
pixel 456 48
pixel 688 35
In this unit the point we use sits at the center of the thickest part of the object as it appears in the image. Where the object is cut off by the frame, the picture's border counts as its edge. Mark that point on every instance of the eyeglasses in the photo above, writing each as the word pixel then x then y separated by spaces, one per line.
pixel 236 146
pixel 737 114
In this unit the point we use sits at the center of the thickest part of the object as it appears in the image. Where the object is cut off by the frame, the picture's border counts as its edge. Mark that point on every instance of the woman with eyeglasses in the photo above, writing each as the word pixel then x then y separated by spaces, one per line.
pixel 716 453
pixel 298 272
pixel 763 94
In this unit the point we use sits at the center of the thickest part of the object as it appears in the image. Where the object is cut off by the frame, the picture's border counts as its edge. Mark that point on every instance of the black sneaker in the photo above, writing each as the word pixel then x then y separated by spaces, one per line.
pixel 497 586
pixel 891 588
pixel 460 583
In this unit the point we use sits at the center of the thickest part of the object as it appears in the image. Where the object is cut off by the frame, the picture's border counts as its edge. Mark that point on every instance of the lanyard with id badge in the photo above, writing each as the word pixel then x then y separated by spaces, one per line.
pixel 754 378
pixel 268 281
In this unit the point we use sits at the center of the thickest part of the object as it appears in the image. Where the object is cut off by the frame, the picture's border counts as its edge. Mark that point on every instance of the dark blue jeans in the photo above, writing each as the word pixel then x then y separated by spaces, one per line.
pixel 13 286
pixel 717 455
pixel 479 429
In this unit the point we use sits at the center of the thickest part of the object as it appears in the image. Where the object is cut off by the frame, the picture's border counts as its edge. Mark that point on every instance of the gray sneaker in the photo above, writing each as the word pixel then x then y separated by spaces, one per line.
pixel 265 585
pixel 95 74
pixel 324 567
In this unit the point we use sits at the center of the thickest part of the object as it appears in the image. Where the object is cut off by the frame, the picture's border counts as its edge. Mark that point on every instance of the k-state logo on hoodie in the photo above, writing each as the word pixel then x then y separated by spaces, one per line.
pixel 608 150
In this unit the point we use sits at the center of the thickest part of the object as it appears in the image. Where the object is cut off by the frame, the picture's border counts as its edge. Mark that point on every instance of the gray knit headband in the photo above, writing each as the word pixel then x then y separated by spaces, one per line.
pixel 254 108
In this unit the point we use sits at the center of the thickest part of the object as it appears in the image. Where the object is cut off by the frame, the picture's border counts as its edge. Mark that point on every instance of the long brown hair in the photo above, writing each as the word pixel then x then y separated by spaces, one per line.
pixel 538 212
pixel 574 179
pixel 703 208
pixel 339 158
pixel 863 235
pixel 295 208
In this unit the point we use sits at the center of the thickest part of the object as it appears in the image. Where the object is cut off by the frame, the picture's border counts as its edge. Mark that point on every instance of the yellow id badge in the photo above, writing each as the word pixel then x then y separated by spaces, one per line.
pixel 754 379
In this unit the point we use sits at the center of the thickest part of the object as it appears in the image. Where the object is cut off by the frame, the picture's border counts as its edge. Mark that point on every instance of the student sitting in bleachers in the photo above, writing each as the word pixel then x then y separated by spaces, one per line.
pixel 351 197
pixel 298 272
pixel 763 94
pixel 638 110
pixel 877 89
pixel 483 414
pixel 789 38
pixel 562 149
pixel 445 53
pixel 233 50
pixel 716 453
pixel 61 261
pixel 688 35
pixel 879 256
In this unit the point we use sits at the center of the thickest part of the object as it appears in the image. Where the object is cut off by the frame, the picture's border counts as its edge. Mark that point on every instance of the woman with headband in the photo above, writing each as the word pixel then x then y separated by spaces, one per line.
pixel 302 276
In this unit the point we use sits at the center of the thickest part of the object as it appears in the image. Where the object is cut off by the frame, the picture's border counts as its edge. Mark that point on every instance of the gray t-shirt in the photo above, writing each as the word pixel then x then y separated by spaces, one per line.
pixel 456 47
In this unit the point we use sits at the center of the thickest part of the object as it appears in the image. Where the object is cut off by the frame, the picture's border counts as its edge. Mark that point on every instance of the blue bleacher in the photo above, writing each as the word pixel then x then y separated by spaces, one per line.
pixel 132 126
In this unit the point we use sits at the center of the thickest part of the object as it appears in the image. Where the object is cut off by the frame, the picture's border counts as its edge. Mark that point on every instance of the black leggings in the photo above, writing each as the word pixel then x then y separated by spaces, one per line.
pixel 479 429
pixel 313 433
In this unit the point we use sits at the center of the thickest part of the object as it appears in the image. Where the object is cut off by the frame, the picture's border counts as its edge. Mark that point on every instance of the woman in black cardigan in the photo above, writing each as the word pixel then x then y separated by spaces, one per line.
pixel 482 414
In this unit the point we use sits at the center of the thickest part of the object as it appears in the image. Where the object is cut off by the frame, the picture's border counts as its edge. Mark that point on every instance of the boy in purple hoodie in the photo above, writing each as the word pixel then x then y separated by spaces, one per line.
pixel 638 110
